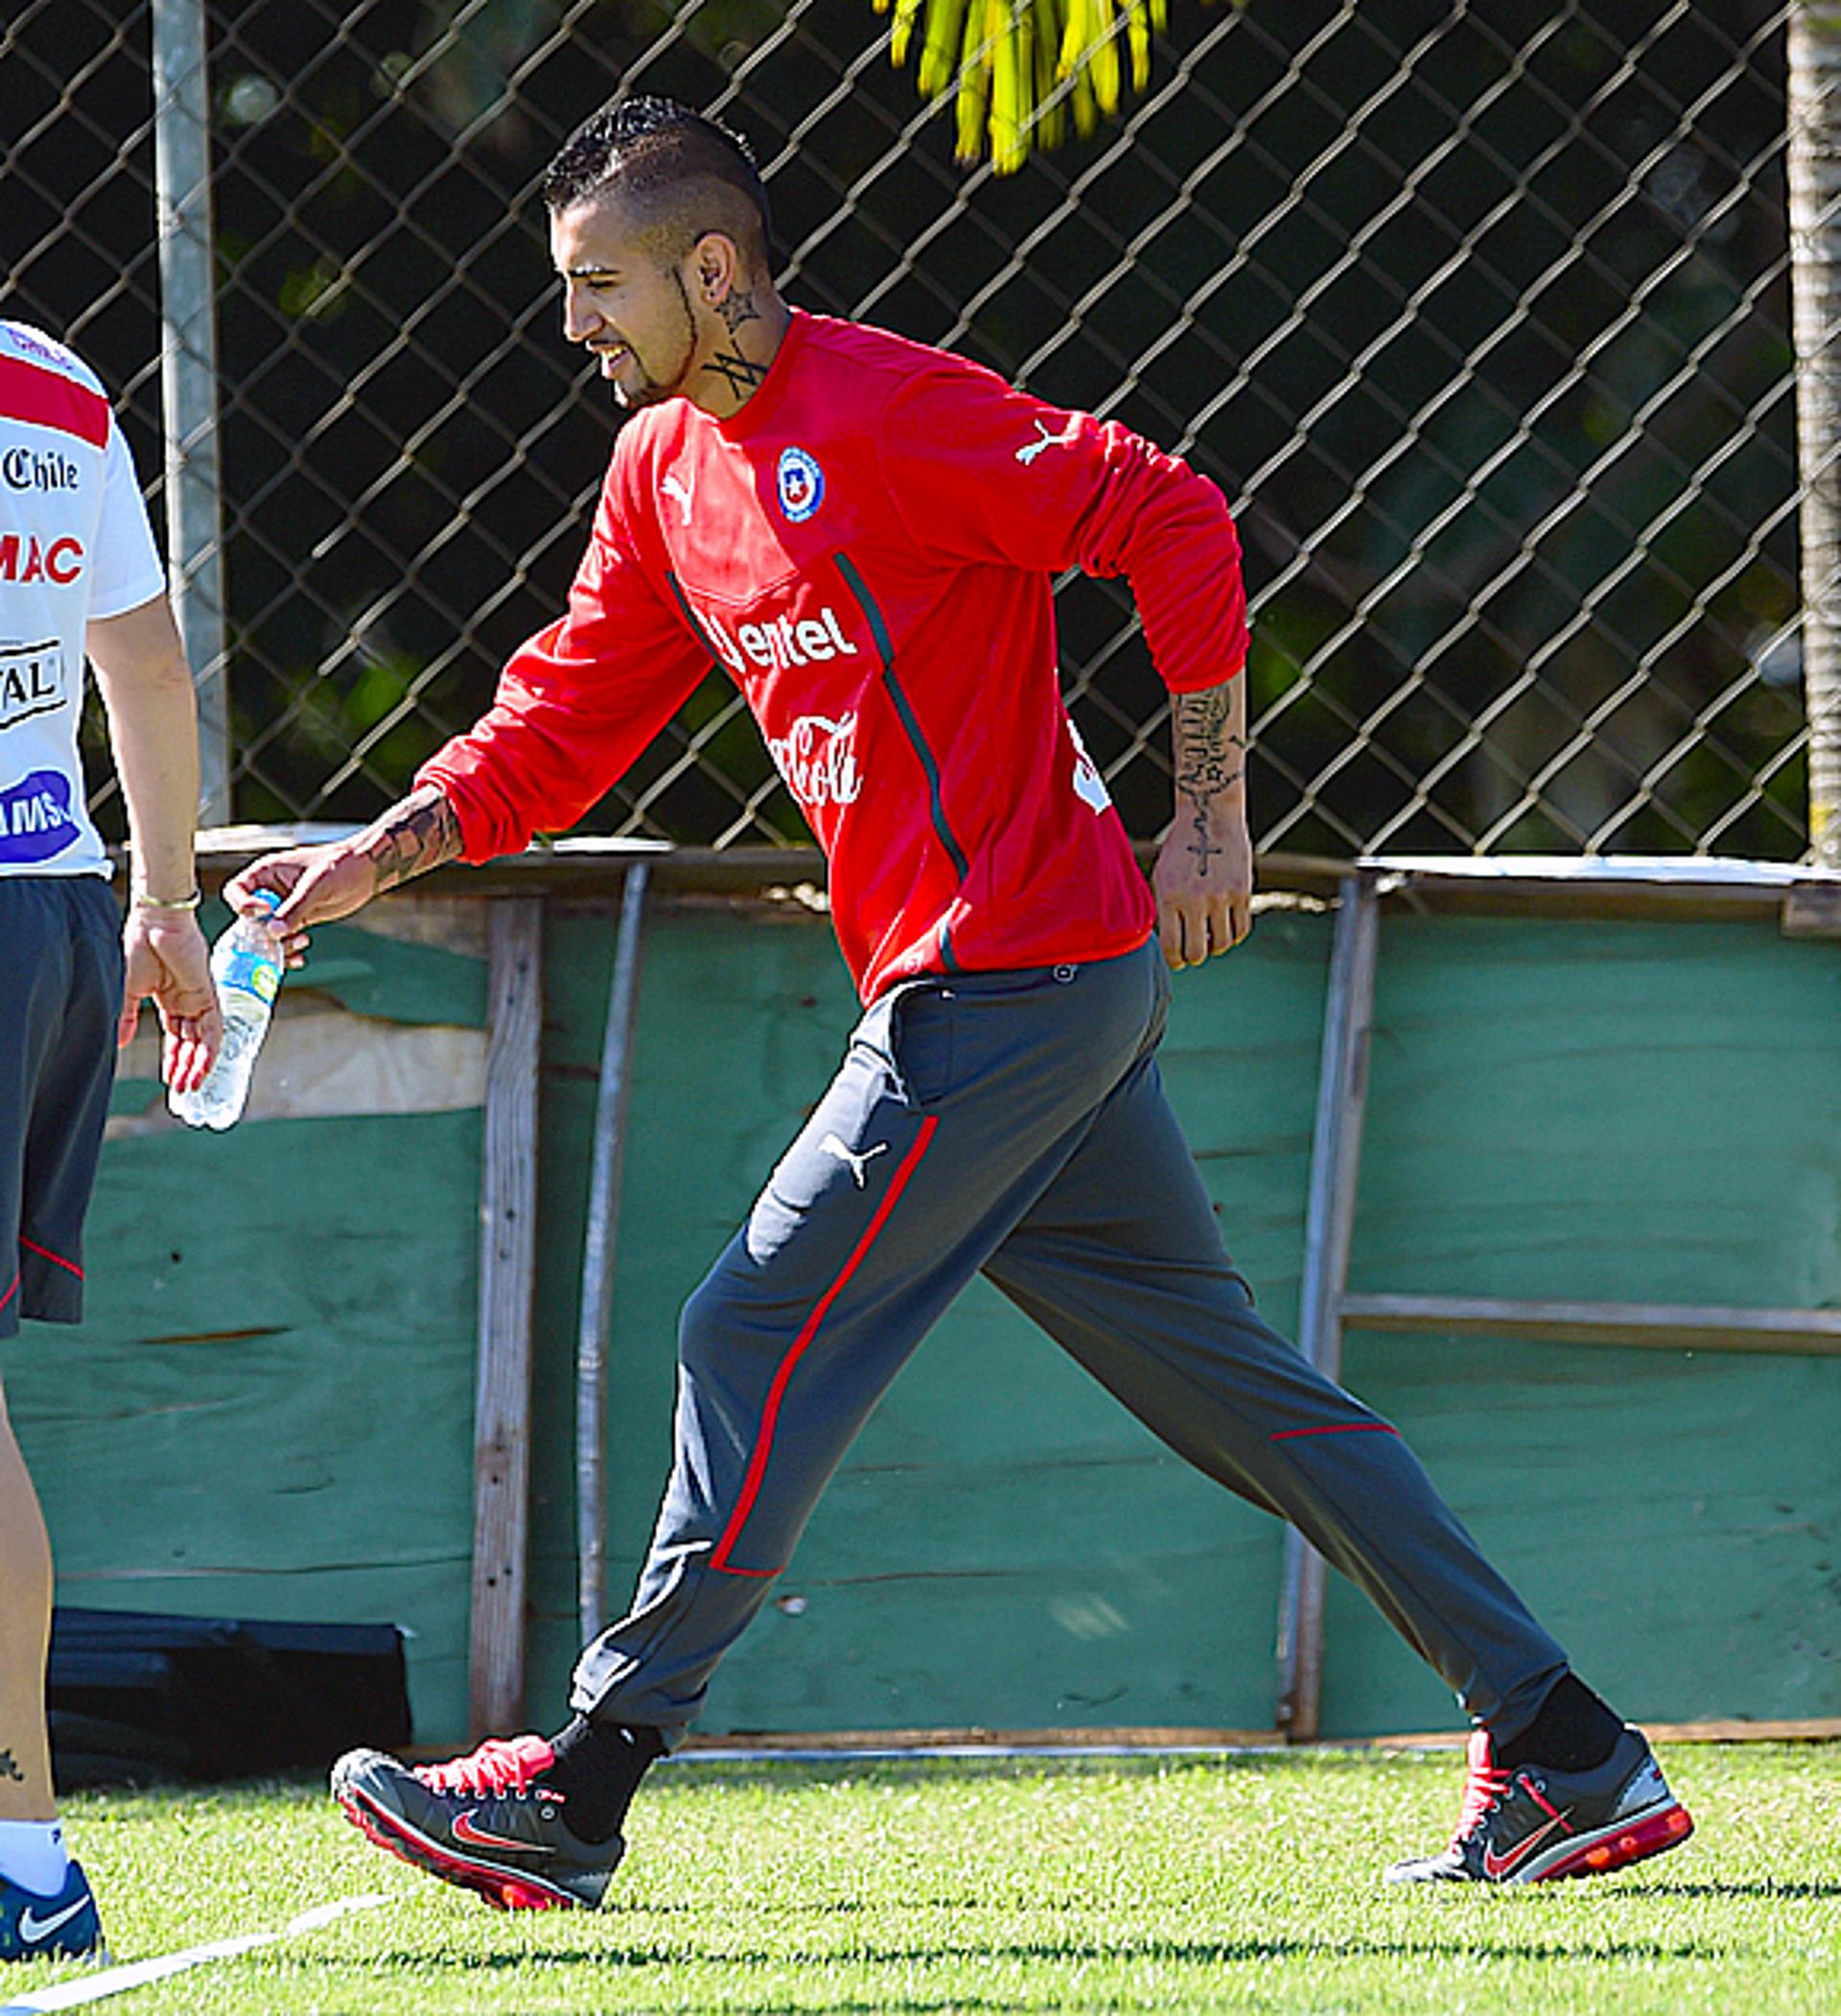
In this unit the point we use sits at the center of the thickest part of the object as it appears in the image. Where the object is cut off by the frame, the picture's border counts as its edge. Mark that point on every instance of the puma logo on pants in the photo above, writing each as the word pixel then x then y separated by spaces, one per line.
pixel 831 1145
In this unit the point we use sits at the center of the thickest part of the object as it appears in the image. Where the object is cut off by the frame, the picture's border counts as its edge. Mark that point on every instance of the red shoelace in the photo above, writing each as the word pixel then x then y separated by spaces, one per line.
pixel 497 1766
pixel 1484 1783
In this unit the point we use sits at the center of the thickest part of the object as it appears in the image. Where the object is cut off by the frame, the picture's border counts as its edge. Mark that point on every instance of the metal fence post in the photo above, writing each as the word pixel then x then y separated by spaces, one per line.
pixel 189 377
pixel 1329 1231
pixel 1815 264
pixel 598 1258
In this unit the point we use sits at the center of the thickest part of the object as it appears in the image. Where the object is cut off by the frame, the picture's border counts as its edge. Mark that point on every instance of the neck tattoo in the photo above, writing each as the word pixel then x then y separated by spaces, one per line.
pixel 740 373
pixel 736 308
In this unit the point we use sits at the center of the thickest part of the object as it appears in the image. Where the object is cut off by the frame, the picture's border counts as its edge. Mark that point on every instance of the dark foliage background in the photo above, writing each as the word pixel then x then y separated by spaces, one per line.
pixel 1478 312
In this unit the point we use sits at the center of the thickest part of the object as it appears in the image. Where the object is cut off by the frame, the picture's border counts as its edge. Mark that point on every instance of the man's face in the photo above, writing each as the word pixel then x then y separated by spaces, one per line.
pixel 620 302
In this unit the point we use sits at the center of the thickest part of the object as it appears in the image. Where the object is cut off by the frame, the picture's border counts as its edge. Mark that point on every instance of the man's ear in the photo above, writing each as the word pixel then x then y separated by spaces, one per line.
pixel 716 262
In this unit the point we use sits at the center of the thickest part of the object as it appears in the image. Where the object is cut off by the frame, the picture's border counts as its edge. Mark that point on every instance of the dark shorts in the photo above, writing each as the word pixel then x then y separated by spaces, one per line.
pixel 61 992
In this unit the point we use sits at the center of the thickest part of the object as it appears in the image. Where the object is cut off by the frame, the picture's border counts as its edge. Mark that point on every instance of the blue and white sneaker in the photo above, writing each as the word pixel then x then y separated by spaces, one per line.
pixel 63 1926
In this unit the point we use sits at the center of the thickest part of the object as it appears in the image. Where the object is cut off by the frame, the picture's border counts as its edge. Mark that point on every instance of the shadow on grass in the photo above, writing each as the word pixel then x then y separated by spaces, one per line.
pixel 1764 1887
pixel 1223 1953
pixel 691 1768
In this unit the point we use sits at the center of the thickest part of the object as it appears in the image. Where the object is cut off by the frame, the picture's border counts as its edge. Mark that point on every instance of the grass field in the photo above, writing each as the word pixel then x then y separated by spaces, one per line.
pixel 1247 1882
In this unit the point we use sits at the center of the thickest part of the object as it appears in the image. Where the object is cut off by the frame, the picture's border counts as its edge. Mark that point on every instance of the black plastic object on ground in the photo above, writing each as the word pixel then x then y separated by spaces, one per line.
pixel 135 1696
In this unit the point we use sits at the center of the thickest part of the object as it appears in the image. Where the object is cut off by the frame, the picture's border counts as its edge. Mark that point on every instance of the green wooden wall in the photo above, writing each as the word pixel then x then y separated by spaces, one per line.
pixel 1633 1113
pixel 268 1411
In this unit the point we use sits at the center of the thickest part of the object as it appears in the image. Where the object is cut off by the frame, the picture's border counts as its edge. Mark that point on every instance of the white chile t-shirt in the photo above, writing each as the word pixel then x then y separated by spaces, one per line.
pixel 74 544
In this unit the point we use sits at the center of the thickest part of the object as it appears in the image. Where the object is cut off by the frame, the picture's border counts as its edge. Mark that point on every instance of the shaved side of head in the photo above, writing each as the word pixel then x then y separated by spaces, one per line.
pixel 676 174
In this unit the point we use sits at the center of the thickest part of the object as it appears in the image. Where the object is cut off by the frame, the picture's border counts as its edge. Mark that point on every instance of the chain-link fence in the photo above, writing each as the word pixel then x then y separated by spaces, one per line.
pixel 1478 312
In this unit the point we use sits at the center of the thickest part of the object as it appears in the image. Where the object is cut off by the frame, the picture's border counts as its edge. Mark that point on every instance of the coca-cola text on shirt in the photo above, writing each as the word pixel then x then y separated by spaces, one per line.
pixel 817 758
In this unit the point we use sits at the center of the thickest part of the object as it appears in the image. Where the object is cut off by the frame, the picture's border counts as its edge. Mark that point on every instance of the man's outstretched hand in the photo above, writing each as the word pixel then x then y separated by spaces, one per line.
pixel 315 884
pixel 319 884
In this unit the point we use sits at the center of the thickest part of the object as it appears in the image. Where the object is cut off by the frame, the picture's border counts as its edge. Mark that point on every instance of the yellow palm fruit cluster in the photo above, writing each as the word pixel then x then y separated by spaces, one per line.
pixel 1025 67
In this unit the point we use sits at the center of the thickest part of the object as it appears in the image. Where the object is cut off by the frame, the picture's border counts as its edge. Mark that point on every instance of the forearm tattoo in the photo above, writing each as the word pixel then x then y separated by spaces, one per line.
pixel 1210 758
pixel 10 1770
pixel 411 838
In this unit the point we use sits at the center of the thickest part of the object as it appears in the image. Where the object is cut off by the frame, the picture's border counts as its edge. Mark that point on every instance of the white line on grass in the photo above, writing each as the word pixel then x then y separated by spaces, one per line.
pixel 117 1981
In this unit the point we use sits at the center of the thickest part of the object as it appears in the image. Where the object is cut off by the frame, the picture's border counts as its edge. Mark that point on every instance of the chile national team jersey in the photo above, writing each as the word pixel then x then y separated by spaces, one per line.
pixel 73 545
pixel 867 548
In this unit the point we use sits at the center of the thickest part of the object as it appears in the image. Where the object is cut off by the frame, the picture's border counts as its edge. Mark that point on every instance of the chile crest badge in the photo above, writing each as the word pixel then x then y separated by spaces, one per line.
pixel 800 483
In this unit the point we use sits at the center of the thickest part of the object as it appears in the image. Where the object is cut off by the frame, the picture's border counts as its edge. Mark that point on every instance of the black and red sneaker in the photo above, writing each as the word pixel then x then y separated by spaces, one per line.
pixel 488 1822
pixel 1532 1825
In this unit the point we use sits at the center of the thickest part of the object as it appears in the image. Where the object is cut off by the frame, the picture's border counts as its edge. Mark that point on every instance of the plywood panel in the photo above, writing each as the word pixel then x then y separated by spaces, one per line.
pixel 998 1498
pixel 269 1412
pixel 1633 1113
pixel 382 963
pixel 1672 1520
pixel 269 1409
pixel 1630 1112
pixel 319 1060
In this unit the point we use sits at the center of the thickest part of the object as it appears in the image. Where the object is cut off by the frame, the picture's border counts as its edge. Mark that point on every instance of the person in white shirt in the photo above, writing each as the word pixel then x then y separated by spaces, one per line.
pixel 78 577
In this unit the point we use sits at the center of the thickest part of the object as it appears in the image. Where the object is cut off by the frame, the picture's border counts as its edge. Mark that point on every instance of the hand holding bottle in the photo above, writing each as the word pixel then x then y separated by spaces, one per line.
pixel 246 964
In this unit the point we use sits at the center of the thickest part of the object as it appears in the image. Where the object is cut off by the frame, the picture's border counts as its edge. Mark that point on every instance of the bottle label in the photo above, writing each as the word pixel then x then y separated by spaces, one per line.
pixel 252 974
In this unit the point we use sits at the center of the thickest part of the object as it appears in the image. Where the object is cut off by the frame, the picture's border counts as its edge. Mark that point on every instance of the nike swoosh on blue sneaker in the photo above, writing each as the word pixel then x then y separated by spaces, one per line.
pixel 33 1929
pixel 64 1924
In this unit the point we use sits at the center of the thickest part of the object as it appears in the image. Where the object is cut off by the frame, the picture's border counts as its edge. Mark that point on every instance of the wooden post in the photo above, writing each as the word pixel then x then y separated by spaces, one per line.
pixel 507 1268
pixel 1329 1225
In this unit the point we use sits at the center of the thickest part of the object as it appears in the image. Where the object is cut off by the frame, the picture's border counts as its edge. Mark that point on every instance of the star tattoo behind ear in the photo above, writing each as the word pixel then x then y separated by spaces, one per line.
pixel 736 308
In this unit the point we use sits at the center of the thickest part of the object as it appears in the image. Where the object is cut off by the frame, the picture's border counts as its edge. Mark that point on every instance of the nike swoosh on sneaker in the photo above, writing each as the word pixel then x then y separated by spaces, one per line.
pixel 1496 1866
pixel 464 1830
pixel 33 1928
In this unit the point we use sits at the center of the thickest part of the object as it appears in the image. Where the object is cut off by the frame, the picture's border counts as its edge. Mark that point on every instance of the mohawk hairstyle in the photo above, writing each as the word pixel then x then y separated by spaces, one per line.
pixel 656 149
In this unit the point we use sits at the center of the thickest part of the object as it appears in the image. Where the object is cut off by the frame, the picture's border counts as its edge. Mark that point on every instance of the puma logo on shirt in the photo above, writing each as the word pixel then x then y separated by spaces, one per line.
pixel 1064 439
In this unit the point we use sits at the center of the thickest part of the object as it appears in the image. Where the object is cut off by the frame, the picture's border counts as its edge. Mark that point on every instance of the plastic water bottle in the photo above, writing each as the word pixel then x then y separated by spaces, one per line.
pixel 246 964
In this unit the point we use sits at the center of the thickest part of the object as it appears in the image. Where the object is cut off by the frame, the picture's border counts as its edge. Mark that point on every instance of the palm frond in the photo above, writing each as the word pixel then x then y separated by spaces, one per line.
pixel 1018 67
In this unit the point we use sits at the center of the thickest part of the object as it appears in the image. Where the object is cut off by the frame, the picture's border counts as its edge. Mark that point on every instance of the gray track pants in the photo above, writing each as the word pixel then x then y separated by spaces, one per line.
pixel 1016 1123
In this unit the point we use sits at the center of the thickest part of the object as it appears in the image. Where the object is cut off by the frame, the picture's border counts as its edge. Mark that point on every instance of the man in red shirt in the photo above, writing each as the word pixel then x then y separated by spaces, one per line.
pixel 864 532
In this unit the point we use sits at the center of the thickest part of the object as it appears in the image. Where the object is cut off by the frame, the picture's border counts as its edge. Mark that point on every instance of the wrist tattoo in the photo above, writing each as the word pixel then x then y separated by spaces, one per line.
pixel 1210 760
pixel 10 1770
pixel 411 838
pixel 1201 846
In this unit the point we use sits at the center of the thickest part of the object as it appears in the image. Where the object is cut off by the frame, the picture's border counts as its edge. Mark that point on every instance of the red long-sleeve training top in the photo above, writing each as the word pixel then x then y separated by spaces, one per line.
pixel 868 548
